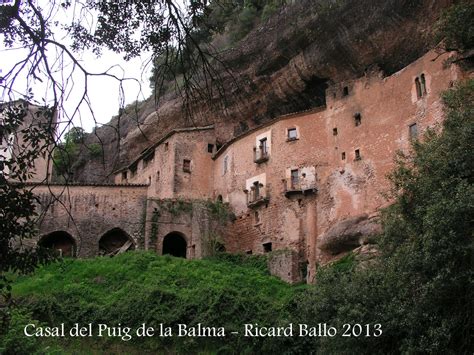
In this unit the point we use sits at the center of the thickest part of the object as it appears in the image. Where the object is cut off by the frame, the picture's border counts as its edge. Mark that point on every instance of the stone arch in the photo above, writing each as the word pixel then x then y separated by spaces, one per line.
pixel 175 244
pixel 61 241
pixel 114 241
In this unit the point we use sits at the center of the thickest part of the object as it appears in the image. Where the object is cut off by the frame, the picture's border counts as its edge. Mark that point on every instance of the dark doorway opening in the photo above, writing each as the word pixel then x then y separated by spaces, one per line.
pixel 115 241
pixel 175 244
pixel 61 241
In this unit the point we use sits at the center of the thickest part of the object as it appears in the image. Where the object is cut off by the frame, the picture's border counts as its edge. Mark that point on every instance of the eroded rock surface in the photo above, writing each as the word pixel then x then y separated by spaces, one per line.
pixel 282 66
pixel 349 234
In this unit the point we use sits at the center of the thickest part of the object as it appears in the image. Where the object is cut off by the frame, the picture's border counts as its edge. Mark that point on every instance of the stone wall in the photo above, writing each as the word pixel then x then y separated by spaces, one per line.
pixel 87 213
pixel 162 166
pixel 350 145
pixel 187 218
pixel 306 187
pixel 36 119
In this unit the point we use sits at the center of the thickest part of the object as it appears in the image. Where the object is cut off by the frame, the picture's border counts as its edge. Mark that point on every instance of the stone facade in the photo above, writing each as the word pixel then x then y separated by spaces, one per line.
pixel 87 213
pixel 11 145
pixel 306 187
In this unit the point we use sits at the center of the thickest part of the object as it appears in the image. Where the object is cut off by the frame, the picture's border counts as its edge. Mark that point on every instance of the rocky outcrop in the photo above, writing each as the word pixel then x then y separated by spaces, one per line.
pixel 282 66
pixel 349 234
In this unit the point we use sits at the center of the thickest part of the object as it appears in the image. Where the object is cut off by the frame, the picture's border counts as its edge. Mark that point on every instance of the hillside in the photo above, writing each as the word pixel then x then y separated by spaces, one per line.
pixel 276 70
pixel 137 287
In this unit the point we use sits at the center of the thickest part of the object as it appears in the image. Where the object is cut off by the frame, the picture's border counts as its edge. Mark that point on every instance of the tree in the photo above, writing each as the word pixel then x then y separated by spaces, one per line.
pixel 421 291
pixel 456 27
pixel 17 202
pixel 124 27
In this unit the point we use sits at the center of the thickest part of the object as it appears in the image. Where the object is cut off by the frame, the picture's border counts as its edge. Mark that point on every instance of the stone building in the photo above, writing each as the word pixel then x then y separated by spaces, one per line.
pixel 306 187
pixel 27 117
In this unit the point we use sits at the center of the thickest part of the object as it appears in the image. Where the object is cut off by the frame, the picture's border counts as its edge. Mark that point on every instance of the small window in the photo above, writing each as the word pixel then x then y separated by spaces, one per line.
pixel 166 146
pixel 226 164
pixel 413 129
pixel 256 190
pixel 133 169
pixel 157 176
pixel 292 134
pixel 423 84
pixel 334 131
pixel 148 159
pixel 419 93
pixel 343 156
pixel 263 146
pixel 294 179
pixel 357 119
pixel 257 217
pixel 345 91
pixel 187 166
pixel 210 148
pixel 124 176
pixel 220 199
pixel 357 155
pixel 267 247
pixel 248 252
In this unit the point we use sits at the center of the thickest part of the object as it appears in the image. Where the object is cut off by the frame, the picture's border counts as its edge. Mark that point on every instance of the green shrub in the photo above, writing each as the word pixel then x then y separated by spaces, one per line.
pixel 258 262
pixel 456 27
pixel 13 341
pixel 139 287
pixel 95 150
pixel 421 289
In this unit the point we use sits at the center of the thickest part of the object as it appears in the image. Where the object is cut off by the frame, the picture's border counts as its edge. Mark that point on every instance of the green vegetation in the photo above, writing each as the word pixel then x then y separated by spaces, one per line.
pixel 66 155
pixel 219 216
pixel 239 17
pixel 232 18
pixel 422 289
pixel 456 27
pixel 140 287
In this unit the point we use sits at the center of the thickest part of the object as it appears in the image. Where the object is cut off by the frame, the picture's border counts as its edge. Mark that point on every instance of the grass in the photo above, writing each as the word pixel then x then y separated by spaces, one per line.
pixel 142 287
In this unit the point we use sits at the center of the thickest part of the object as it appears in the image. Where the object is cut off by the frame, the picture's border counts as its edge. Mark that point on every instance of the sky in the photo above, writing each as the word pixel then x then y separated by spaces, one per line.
pixel 104 92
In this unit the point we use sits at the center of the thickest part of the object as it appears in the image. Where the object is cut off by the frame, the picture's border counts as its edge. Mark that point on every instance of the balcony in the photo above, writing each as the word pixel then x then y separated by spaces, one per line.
pixel 298 187
pixel 257 196
pixel 260 154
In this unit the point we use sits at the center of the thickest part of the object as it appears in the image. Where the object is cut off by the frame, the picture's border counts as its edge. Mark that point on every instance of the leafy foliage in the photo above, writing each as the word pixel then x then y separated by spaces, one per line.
pixel 138 287
pixel 456 27
pixel 254 261
pixel 66 154
pixel 14 340
pixel 235 18
pixel 17 203
pixel 423 287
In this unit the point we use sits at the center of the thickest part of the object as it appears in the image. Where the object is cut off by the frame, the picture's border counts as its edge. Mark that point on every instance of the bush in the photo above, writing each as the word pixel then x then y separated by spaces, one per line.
pixel 423 286
pixel 95 150
pixel 13 341
pixel 138 287
pixel 456 27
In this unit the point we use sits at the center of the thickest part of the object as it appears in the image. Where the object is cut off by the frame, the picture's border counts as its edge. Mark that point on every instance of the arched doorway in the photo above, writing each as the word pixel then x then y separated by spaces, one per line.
pixel 61 241
pixel 115 241
pixel 175 244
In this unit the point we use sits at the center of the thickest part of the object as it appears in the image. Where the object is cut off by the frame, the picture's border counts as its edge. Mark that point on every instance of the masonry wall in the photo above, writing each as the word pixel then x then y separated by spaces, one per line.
pixel 88 212
pixel 10 147
pixel 307 186
pixel 189 219
pixel 349 188
pixel 163 168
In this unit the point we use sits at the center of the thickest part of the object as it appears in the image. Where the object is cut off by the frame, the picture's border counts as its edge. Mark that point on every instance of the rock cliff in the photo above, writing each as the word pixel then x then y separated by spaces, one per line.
pixel 284 65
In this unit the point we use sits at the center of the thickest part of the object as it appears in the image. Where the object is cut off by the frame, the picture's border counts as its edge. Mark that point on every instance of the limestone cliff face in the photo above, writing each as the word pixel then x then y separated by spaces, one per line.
pixel 284 65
